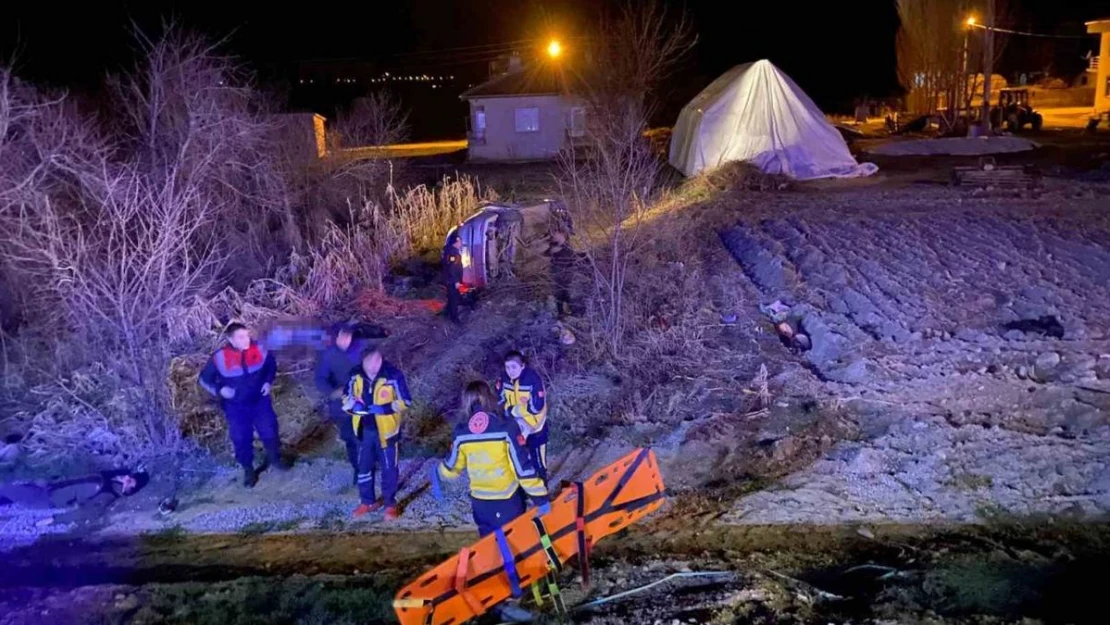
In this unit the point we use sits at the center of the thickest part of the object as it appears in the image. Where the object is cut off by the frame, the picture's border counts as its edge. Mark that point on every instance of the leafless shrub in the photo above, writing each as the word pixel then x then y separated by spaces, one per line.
pixel 374 120
pixel 353 257
pixel 610 184
pixel 317 191
pixel 121 242
pixel 94 411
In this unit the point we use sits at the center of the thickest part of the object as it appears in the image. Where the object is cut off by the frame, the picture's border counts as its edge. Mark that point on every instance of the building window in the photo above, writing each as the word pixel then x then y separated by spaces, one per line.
pixel 479 122
pixel 576 121
pixel 527 119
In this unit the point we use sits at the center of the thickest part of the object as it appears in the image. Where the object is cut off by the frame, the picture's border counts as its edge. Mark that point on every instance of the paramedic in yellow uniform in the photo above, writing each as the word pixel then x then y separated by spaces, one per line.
pixel 523 397
pixel 377 396
pixel 490 449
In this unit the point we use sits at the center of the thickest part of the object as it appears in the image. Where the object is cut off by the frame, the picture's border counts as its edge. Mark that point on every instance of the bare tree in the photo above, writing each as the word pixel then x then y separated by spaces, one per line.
pixel 316 188
pixel 610 180
pixel 939 52
pixel 119 237
pixel 374 120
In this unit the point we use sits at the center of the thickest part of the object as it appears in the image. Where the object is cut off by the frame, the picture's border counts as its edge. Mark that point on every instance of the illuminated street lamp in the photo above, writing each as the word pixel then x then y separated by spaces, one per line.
pixel 554 49
pixel 971 21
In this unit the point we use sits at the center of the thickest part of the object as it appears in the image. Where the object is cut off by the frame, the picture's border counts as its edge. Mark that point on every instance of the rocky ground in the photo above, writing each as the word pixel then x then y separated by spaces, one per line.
pixel 956 370
pixel 966 334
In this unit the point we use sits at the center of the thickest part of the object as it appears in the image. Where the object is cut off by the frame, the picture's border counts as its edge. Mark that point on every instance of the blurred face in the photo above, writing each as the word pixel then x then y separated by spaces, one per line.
pixel 457 243
pixel 343 339
pixel 513 368
pixel 372 364
pixel 240 339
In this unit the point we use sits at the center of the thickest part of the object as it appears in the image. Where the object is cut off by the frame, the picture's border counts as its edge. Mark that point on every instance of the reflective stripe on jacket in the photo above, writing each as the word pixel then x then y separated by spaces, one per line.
pixel 491 451
pixel 527 394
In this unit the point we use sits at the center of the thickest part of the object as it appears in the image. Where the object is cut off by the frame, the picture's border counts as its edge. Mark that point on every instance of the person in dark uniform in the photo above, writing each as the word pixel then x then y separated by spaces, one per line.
pixel 333 372
pixel 453 275
pixel 564 264
pixel 92 495
pixel 240 375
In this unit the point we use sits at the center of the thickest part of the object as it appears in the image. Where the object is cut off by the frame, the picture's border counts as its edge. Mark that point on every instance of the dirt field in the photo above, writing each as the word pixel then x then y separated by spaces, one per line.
pixel 957 376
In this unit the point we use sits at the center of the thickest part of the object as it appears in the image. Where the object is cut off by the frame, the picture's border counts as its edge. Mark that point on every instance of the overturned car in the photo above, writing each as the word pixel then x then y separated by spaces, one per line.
pixel 494 237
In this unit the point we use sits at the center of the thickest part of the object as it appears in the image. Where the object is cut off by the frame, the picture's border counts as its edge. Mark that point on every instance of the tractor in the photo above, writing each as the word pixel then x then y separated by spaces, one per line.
pixel 1014 111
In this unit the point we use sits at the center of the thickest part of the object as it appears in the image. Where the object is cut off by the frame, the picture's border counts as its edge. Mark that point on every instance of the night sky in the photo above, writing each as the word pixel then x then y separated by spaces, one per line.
pixel 836 51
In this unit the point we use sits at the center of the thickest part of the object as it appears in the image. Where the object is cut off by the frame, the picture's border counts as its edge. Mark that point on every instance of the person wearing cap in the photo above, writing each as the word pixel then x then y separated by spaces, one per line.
pixel 333 371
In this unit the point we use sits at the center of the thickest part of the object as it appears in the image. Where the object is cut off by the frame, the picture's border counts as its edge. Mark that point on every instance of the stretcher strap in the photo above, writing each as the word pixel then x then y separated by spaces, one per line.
pixel 621 483
pixel 556 594
pixel 417 603
pixel 548 548
pixel 583 540
pixel 537 596
pixel 460 582
pixel 546 540
pixel 508 561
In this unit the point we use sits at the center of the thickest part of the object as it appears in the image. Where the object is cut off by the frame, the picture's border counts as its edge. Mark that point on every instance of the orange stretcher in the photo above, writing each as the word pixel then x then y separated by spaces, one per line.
pixel 535 545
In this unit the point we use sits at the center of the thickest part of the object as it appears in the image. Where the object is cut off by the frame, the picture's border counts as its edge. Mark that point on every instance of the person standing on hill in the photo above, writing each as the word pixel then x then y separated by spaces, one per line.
pixel 523 397
pixel 377 395
pixel 564 264
pixel 240 376
pixel 333 372
pixel 453 275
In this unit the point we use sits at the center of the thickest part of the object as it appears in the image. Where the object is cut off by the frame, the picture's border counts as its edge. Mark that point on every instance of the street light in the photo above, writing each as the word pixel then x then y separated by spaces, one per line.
pixel 554 49
pixel 970 21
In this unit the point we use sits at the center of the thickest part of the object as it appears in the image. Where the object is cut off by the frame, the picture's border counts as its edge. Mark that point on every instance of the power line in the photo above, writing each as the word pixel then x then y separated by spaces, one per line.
pixel 1029 34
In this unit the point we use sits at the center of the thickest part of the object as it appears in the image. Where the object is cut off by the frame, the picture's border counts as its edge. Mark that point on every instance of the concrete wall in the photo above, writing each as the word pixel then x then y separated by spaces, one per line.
pixel 502 141
pixel 303 132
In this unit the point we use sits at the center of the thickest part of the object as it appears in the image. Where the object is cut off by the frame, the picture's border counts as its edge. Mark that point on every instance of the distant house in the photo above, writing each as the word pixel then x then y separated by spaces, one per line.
pixel 522 114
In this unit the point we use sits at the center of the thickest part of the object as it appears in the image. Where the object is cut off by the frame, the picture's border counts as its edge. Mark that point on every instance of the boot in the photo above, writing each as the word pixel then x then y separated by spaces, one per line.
pixel 278 463
pixel 250 477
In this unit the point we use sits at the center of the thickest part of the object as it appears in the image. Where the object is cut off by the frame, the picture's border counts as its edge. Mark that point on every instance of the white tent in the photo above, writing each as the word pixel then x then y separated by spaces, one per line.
pixel 756 113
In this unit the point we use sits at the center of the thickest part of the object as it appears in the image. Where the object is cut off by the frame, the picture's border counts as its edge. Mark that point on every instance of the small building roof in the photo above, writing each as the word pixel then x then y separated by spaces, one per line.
pixel 1098 26
pixel 522 82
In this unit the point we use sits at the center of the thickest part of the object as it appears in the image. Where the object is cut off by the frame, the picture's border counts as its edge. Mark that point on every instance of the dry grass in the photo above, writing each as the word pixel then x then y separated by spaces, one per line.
pixel 426 215
pixel 93 411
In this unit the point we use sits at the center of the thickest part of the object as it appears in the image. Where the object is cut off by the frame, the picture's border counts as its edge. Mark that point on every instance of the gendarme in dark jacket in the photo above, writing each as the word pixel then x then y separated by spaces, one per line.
pixel 244 371
pixel 333 371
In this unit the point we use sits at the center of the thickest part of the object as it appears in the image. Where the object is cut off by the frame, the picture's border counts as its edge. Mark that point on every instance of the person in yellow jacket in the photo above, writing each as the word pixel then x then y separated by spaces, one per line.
pixel 523 397
pixel 376 397
pixel 490 449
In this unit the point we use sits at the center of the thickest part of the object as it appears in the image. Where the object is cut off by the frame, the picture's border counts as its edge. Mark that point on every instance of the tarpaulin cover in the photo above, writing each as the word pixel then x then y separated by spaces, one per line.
pixel 756 113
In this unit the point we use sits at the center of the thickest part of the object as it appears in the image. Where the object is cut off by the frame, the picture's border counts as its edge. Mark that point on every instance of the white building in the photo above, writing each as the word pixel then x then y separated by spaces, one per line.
pixel 522 114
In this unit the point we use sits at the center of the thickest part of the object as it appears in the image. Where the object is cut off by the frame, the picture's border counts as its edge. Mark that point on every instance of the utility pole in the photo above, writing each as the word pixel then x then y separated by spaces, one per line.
pixel 962 87
pixel 988 64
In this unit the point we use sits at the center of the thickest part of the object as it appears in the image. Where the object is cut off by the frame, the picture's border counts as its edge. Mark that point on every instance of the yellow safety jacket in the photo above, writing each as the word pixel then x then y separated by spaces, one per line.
pixel 386 398
pixel 491 451
pixel 524 398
